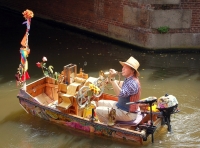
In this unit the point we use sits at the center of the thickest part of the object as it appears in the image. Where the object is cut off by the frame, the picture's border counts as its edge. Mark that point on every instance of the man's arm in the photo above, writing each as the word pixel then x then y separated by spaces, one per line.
pixel 117 86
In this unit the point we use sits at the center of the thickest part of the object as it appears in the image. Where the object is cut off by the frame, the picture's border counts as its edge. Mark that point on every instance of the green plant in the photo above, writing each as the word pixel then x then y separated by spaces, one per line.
pixel 163 29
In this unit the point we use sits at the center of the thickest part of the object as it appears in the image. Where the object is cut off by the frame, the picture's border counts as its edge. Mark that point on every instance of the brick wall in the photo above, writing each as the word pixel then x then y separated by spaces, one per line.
pixel 131 21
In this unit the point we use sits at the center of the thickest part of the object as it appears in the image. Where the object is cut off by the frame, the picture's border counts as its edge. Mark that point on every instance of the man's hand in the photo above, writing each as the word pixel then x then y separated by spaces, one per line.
pixel 112 72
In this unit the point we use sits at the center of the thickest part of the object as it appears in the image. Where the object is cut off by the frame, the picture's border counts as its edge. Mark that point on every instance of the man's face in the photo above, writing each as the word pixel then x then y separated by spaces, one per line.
pixel 127 71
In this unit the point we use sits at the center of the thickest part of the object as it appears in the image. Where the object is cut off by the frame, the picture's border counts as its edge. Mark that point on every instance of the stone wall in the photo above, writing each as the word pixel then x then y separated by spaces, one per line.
pixel 131 21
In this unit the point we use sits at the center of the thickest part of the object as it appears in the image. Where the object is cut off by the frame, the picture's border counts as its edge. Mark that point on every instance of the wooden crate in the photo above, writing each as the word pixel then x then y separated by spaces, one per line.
pixel 70 72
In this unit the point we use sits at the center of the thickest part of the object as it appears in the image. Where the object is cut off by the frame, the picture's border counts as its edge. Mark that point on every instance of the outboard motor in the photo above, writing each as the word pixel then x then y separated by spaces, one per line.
pixel 167 105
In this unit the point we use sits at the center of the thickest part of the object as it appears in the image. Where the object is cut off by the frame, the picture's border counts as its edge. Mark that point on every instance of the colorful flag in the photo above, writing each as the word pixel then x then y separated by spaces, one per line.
pixel 22 74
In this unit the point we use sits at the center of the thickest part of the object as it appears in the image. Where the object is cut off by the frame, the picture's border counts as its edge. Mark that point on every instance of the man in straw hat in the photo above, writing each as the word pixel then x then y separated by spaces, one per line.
pixel 127 91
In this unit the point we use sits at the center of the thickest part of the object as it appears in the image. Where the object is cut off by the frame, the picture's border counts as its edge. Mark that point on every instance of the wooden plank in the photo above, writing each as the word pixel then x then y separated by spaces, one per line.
pixel 31 86
pixel 52 92
pixel 108 97
pixel 38 92
pixel 51 85
pixel 50 80
pixel 35 88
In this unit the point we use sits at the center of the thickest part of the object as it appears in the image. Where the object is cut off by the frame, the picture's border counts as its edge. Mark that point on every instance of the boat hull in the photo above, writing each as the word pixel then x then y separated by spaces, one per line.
pixel 73 116
pixel 80 123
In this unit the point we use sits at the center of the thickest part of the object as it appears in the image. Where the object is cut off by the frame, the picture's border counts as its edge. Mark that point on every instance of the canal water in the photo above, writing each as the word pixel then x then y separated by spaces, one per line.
pixel 176 73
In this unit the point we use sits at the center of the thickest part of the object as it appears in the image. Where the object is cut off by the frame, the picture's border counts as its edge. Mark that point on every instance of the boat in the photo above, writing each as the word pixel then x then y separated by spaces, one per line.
pixel 69 98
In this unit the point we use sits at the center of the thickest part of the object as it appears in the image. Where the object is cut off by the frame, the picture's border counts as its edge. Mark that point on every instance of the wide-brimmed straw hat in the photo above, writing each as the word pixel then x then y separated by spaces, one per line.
pixel 132 62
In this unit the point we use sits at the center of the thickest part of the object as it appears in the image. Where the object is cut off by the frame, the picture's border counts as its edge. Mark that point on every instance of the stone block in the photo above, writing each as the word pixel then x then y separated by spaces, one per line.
pixel 182 40
pixel 135 16
pixel 156 1
pixel 196 39
pixel 165 2
pixel 172 18
pixel 138 37
pixel 173 41
pixel 158 41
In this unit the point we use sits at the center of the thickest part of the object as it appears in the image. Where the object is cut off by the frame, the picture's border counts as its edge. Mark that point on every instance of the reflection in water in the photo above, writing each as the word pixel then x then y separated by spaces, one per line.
pixel 173 73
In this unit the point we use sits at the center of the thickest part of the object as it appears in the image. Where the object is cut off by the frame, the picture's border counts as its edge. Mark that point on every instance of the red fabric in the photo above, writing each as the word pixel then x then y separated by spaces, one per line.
pixel 135 98
pixel 25 76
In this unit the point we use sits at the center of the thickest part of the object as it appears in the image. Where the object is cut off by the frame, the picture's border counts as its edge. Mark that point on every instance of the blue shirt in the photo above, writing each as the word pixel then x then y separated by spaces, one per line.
pixel 129 88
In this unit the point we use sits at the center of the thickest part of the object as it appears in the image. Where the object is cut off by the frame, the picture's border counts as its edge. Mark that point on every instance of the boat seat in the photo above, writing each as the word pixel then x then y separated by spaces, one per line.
pixel 132 122
pixel 66 101
pixel 62 88
pixel 43 99
pixel 53 104
pixel 66 94
pixel 79 80
pixel 73 88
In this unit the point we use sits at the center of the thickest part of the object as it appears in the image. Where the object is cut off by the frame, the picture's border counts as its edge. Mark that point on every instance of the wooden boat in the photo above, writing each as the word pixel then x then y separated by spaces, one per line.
pixel 71 101
pixel 70 98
